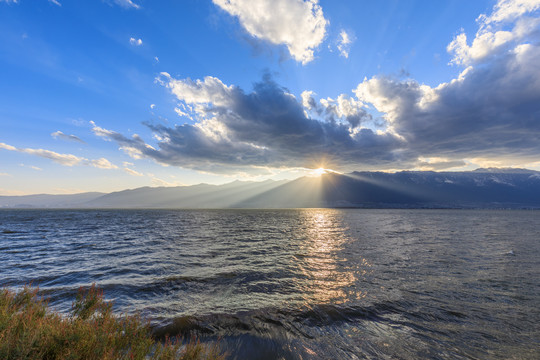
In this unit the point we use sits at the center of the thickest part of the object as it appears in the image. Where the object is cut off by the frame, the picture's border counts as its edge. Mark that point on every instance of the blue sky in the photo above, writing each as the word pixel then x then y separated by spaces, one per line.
pixel 104 95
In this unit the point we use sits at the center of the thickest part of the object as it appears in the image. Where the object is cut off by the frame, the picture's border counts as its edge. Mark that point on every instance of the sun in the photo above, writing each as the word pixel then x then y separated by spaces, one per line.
pixel 318 172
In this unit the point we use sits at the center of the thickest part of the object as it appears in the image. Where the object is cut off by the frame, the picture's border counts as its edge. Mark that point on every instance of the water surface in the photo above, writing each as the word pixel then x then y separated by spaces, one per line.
pixel 298 284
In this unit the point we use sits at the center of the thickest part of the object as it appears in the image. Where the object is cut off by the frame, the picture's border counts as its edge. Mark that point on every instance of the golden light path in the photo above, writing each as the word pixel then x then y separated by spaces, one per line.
pixel 322 263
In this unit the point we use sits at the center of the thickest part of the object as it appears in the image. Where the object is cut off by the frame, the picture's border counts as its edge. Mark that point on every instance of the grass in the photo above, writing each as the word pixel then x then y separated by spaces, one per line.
pixel 30 330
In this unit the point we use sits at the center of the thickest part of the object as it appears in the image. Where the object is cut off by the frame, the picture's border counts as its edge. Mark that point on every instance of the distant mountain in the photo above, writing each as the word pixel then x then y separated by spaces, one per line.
pixel 196 196
pixel 48 201
pixel 482 188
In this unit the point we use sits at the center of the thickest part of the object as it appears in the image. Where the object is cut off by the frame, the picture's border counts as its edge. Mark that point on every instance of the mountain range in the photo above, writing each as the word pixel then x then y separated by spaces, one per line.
pixel 482 188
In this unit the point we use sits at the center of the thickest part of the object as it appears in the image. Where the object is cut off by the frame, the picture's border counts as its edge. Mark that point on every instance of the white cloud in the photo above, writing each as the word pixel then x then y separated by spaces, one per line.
pixel 61 135
pixel 12 192
pixel 156 59
pixel 32 167
pixel 55 2
pixel 181 113
pixel 10 1
pixel 503 29
pixel 102 163
pixel 299 25
pixel 152 106
pixel 131 151
pixel 345 41
pixel 509 10
pixel 210 90
pixel 132 172
pixel 128 4
pixel 7 147
pixel 388 96
pixel 343 109
pixel 62 159
pixel 104 133
pixel 135 42
pixel 308 101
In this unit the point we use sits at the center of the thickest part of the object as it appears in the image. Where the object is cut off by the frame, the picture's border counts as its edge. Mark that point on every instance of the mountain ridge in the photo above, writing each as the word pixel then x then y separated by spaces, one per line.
pixel 480 188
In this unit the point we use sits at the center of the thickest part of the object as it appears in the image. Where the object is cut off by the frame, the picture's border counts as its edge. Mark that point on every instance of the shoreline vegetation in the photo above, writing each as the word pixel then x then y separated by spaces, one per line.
pixel 30 330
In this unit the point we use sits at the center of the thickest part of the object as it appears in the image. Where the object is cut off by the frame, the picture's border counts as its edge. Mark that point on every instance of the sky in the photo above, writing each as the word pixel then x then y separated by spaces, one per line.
pixel 105 95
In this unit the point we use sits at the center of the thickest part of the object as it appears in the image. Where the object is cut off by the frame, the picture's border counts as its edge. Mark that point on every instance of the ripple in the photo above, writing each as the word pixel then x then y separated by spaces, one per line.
pixel 310 284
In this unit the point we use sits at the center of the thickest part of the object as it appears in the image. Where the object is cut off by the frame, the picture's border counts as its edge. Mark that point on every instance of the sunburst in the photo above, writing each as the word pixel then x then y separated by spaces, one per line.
pixel 320 171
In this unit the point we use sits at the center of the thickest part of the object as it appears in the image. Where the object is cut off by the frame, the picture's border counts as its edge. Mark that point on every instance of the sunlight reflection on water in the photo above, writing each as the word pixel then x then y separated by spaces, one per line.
pixel 326 276
pixel 310 283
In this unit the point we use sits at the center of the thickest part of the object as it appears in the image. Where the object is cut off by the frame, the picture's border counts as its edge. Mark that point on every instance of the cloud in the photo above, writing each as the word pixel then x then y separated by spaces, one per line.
pixel 135 42
pixel 7 147
pixel 298 24
pixel 345 41
pixel 55 2
pixel 266 127
pixel 127 4
pixel 100 131
pixel 498 32
pixel 132 172
pixel 10 1
pixel 343 109
pixel 509 10
pixel 62 159
pixel 32 167
pixel 101 163
pixel 6 192
pixel 438 164
pixel 5 174
pixel 61 135
pixel 488 113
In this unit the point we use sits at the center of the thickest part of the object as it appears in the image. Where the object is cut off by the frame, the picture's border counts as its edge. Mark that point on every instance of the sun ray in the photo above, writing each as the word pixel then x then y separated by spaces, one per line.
pixel 318 172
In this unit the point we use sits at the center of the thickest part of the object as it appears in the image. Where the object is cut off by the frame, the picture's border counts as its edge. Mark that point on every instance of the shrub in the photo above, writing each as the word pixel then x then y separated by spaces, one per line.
pixel 30 330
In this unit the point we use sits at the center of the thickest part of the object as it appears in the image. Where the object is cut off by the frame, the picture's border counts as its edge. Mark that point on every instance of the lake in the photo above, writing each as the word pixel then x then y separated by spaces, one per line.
pixel 298 284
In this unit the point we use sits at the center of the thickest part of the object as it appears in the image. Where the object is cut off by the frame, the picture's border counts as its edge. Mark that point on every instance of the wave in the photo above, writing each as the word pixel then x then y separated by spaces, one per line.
pixel 278 322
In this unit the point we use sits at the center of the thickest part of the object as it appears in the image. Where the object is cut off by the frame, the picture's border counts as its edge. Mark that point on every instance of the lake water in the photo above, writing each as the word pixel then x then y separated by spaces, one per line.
pixel 298 284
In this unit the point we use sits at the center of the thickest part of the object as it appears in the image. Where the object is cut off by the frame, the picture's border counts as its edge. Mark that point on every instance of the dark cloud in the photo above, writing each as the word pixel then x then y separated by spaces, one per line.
pixel 266 127
pixel 492 110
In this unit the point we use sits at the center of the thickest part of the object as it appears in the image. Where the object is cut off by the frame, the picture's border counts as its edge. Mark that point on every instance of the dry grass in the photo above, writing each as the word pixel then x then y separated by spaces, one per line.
pixel 29 330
